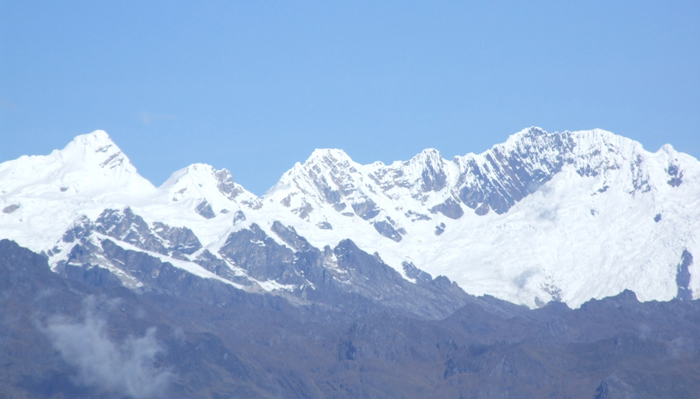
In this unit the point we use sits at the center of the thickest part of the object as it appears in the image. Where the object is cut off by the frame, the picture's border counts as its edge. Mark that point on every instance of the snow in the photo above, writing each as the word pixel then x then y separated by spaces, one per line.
pixel 572 237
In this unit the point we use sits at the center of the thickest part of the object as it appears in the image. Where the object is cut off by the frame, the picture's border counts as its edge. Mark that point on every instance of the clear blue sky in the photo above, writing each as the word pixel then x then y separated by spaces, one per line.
pixel 255 86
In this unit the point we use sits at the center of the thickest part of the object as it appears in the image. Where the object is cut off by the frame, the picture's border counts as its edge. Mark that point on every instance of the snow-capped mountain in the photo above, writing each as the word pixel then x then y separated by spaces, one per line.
pixel 544 216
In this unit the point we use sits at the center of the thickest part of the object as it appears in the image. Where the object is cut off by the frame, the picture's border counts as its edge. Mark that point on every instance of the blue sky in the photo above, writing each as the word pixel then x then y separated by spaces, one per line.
pixel 255 86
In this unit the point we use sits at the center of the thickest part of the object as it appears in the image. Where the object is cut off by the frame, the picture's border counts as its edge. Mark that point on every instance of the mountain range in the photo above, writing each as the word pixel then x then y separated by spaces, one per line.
pixel 542 217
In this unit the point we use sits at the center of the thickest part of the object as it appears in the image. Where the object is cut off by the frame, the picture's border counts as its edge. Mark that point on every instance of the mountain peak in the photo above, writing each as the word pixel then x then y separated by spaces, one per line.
pixel 329 156
pixel 201 180
pixel 88 165
pixel 529 135
pixel 95 149
pixel 429 153
pixel 321 161
pixel 96 139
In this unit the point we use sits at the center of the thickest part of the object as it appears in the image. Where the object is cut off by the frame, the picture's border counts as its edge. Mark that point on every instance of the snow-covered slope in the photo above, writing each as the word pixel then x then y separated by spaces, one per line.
pixel 564 216
pixel 42 195
pixel 543 216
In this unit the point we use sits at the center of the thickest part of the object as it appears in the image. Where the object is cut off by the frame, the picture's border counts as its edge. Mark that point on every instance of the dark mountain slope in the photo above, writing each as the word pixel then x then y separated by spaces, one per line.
pixel 192 337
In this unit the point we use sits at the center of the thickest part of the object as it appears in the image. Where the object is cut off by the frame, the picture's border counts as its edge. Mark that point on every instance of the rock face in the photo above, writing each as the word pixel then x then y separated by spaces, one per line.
pixel 494 180
pixel 204 209
pixel 685 293
pixel 121 248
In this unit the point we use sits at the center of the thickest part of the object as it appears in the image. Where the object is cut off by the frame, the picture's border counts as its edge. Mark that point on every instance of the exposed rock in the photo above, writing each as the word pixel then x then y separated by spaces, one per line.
pixel 180 239
pixel 683 277
pixel 324 226
pixel 440 229
pixel 387 230
pixel 416 216
pixel 126 226
pixel 676 175
pixel 10 208
pixel 553 291
pixel 517 174
pixel 204 209
pixel 366 210
pixel 449 208
pixel 238 217
pixel 289 235
pixel 304 210
pixel 482 210
pixel 219 267
pixel 287 201
pixel 226 185
pixel 433 176
pixel 261 256
pixel 253 204
pixel 415 273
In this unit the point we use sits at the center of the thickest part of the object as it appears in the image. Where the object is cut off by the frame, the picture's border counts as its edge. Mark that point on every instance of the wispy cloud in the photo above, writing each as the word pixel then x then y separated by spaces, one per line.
pixel 147 118
pixel 521 279
pixel 125 368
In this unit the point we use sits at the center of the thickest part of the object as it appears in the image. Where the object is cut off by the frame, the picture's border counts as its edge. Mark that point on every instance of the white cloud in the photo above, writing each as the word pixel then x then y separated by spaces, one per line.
pixel 126 368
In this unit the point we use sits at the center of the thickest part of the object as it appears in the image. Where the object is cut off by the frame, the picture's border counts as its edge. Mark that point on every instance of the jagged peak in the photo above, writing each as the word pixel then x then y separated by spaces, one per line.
pixel 94 146
pixel 522 142
pixel 204 180
pixel 528 136
pixel 322 160
pixel 329 156
pixel 585 140
pixel 426 165
pixel 428 154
